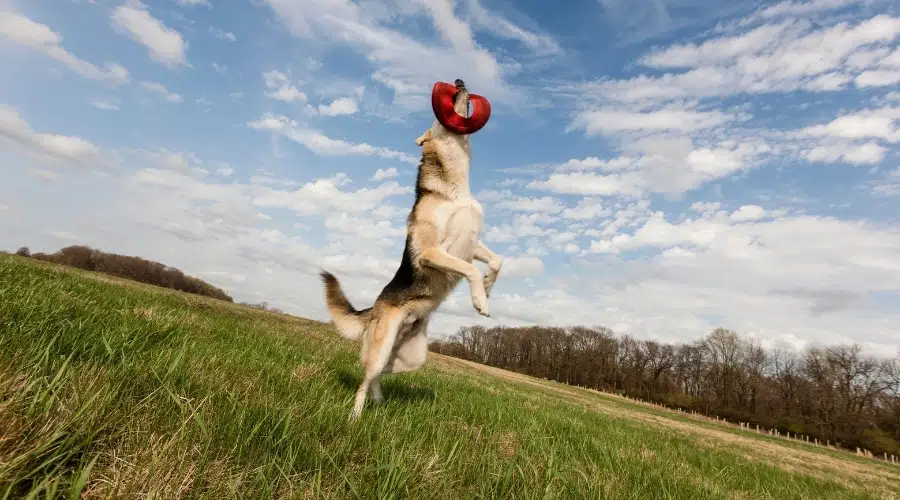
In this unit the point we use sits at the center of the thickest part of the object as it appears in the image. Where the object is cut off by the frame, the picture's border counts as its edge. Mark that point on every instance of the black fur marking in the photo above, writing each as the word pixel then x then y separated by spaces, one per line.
pixel 405 284
pixel 336 295
pixel 402 284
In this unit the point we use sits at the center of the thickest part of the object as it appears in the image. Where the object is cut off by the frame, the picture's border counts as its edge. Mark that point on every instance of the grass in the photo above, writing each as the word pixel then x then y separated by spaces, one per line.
pixel 113 389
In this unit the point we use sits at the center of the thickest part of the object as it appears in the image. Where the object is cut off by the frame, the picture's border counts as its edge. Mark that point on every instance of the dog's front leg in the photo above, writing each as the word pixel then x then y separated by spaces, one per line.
pixel 437 258
pixel 494 262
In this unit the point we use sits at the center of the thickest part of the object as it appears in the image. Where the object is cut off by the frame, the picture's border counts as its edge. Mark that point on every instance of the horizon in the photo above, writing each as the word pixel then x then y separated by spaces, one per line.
pixel 635 156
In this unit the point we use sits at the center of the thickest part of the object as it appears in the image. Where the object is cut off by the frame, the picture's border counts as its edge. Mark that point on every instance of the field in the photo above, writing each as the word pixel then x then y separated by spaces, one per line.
pixel 113 389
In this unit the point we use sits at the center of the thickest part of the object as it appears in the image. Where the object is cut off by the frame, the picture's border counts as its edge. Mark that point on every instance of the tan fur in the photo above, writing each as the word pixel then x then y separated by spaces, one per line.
pixel 443 231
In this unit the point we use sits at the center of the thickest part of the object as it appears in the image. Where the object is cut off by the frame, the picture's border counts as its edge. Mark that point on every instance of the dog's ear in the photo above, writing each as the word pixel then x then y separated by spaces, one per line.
pixel 422 139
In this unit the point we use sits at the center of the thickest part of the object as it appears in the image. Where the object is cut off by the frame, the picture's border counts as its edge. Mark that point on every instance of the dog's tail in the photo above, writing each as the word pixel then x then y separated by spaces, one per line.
pixel 349 322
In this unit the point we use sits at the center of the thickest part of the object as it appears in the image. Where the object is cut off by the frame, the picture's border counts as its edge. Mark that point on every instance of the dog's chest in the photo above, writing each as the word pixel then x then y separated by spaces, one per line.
pixel 461 223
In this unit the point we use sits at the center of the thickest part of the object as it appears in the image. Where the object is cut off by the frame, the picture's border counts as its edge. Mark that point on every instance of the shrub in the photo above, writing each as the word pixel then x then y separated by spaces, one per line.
pixel 129 267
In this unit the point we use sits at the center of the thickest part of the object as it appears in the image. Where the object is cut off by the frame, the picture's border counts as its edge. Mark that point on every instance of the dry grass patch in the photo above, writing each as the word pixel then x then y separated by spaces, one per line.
pixel 306 371
pixel 508 444
pixel 160 466
pixel 473 431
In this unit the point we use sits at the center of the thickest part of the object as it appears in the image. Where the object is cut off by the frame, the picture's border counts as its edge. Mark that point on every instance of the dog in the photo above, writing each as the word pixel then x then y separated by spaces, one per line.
pixel 442 241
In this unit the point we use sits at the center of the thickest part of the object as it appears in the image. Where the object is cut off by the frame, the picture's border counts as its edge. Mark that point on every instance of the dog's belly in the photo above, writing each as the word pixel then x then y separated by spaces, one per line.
pixel 462 230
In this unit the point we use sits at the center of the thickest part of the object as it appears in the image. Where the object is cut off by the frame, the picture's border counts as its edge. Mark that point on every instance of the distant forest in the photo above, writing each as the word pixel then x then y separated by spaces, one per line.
pixel 835 394
pixel 128 267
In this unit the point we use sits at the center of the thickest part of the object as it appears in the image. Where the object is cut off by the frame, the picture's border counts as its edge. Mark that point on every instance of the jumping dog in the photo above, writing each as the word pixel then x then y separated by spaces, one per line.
pixel 442 241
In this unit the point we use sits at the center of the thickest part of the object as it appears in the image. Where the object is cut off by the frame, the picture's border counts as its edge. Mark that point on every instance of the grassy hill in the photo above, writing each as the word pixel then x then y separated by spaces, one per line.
pixel 114 389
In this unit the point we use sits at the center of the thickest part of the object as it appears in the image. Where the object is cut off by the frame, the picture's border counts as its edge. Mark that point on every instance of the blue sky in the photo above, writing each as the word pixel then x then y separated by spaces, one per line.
pixel 661 167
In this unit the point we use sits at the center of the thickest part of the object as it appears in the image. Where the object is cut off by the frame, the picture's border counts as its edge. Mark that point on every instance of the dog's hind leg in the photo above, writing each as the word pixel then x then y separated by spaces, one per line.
pixel 382 343
pixel 375 388
pixel 411 350
pixel 409 353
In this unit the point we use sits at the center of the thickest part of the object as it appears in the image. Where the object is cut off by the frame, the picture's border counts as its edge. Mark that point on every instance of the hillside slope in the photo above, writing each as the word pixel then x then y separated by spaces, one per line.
pixel 113 389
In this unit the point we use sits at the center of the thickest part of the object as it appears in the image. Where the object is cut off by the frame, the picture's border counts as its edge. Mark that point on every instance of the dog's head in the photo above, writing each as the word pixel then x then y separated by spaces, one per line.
pixel 450 104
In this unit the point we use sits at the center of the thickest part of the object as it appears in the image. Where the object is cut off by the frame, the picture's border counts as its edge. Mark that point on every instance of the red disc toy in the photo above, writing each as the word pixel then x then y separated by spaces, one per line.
pixel 442 104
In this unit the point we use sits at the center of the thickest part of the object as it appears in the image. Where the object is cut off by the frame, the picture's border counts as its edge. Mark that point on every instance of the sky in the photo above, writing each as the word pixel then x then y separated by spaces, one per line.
pixel 661 167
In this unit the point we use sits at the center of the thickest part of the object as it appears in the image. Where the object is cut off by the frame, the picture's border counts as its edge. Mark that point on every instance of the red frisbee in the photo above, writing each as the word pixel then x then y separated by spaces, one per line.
pixel 442 104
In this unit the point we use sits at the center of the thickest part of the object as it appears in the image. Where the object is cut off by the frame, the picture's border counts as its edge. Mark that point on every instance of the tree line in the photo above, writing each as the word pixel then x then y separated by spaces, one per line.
pixel 835 394
pixel 128 267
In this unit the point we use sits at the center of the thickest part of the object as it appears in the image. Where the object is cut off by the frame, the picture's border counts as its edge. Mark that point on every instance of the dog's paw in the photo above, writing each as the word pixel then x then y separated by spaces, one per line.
pixel 481 304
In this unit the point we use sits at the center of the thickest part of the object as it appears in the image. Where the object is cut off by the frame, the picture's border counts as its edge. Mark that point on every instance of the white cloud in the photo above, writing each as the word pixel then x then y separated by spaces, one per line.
pixel 324 194
pixel 521 267
pixel 657 164
pixel 618 120
pixel 587 209
pixel 280 88
pixel 539 44
pixel 224 35
pixel 385 173
pixel 889 186
pixel 165 45
pixel 878 78
pixel 321 144
pixel 69 149
pixel 679 128
pixel 191 3
pixel 338 107
pixel 160 89
pixel 104 104
pixel 358 227
pixel 772 58
pixel 544 204
pixel 522 226
pixel 225 171
pixel 793 8
pixel 590 184
pixel 400 62
pixel 747 213
pixel 756 275
pixel 866 124
pixel 862 154
pixel 24 31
